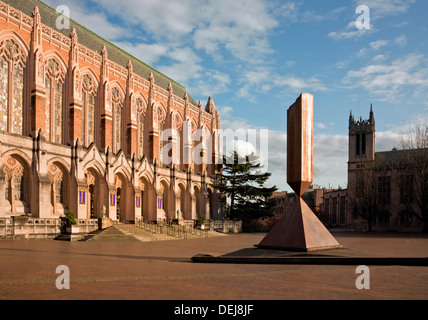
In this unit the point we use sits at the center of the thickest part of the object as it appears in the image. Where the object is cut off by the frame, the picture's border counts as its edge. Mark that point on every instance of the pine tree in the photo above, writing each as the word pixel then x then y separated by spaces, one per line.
pixel 242 181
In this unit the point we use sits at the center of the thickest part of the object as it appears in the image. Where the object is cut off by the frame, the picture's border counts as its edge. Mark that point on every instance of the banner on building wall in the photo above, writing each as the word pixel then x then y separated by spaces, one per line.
pixel 138 200
pixel 82 196
pixel 112 198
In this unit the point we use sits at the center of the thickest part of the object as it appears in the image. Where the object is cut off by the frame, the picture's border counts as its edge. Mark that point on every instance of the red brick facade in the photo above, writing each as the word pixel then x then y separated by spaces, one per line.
pixel 97 119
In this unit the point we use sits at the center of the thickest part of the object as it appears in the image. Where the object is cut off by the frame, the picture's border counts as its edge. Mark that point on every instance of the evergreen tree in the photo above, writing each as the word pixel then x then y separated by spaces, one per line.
pixel 242 181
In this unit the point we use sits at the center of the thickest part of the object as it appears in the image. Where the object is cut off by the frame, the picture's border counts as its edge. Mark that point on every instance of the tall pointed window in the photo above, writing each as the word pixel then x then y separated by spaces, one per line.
pixel 12 63
pixel 139 103
pixel 178 130
pixel 357 145
pixel 88 111
pixel 54 84
pixel 194 145
pixel 117 103
pixel 161 123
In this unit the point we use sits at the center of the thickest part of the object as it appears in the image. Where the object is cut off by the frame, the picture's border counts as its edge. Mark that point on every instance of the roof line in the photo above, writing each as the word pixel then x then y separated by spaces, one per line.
pixel 110 43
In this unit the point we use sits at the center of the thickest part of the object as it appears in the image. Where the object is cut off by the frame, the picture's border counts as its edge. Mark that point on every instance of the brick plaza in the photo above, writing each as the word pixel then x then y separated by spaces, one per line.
pixel 163 270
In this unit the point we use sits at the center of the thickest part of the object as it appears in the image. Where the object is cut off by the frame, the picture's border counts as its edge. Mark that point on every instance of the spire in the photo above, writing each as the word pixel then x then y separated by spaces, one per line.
pixel 73 34
pixel 36 36
pixel 371 119
pixel 74 55
pixel 104 66
pixel 129 66
pixel 210 107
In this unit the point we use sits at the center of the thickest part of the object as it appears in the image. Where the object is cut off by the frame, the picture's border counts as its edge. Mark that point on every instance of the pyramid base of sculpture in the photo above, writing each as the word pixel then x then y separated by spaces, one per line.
pixel 299 230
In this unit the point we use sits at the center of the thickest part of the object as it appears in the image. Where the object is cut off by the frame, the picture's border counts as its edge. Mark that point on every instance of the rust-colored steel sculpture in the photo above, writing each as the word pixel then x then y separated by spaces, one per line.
pixel 299 229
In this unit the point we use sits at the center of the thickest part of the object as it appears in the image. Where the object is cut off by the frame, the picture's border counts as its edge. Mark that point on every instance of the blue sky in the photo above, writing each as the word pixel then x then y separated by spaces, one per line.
pixel 255 57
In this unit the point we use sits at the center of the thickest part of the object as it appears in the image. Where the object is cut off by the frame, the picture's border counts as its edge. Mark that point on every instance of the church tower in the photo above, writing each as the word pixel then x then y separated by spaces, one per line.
pixel 361 143
pixel 361 140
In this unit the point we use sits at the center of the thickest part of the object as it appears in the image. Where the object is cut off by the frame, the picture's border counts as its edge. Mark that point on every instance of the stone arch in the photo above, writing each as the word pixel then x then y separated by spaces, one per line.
pixel 96 191
pixel 140 95
pixel 18 184
pixel 60 189
pixel 124 197
pixel 159 113
pixel 163 200
pixel 56 56
pixel 146 194
pixel 182 190
pixel 10 34
pixel 96 166
pixel 87 71
pixel 123 171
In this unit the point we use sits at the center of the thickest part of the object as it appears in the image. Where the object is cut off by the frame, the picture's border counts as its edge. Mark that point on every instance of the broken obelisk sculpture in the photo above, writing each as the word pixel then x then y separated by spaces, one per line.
pixel 299 229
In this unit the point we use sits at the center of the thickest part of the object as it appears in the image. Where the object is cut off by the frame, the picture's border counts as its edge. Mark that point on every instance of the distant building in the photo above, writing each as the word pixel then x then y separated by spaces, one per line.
pixel 334 207
pixel 391 187
pixel 284 200
pixel 388 193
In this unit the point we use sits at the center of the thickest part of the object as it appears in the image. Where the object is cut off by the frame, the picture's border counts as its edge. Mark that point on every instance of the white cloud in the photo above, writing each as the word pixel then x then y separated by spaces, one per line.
pixel 225 112
pixel 351 31
pixel 97 22
pixel 382 8
pixel 387 140
pixel 261 80
pixel 378 9
pixel 380 58
pixel 401 40
pixel 186 65
pixel 390 81
pixel 149 53
pixel 376 45
pixel 211 83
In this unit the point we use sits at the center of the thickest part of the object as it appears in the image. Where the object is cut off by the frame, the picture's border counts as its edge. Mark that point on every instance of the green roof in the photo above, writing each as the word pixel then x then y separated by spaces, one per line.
pixel 95 42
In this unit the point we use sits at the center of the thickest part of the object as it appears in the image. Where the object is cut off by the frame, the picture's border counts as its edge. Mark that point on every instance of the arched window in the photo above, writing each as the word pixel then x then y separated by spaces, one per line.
pixel 117 103
pixel 178 128
pixel 54 84
pixel 88 111
pixel 194 145
pixel 12 63
pixel 161 123
pixel 139 103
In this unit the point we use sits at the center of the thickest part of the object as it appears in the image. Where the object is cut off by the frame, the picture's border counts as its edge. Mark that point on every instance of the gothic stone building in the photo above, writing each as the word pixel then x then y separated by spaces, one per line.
pixel 387 192
pixel 82 123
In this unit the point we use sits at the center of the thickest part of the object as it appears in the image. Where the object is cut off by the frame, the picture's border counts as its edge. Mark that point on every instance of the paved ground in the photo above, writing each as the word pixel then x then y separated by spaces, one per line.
pixel 162 270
